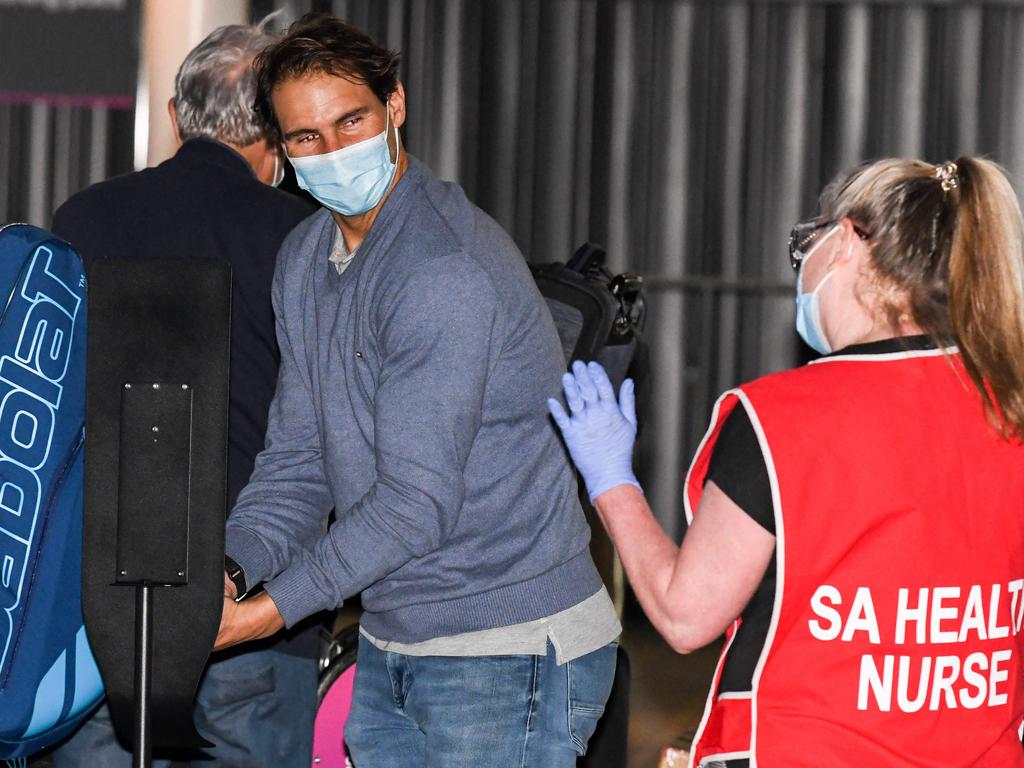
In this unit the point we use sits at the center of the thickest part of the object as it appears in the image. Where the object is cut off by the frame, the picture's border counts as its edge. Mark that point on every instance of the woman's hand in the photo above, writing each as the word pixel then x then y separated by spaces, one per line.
pixel 600 432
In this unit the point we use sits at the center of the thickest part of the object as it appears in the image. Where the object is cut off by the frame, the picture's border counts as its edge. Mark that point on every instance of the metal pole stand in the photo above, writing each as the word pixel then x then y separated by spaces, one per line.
pixel 142 757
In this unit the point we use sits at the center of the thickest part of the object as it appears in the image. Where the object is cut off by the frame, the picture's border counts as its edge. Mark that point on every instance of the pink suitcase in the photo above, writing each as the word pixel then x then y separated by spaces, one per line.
pixel 334 694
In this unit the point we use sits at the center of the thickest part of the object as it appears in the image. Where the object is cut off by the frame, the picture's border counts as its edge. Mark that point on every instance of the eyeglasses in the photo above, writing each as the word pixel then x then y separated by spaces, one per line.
pixel 805 234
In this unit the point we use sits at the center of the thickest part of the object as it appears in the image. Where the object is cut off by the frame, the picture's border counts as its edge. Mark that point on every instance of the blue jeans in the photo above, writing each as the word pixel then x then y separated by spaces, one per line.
pixel 500 711
pixel 257 707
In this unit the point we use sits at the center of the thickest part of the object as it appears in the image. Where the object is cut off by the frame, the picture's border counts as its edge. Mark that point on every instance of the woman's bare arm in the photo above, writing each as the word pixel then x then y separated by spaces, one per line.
pixel 690 593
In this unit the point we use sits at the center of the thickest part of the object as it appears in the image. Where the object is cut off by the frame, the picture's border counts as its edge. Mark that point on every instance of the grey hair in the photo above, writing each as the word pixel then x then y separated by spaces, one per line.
pixel 215 87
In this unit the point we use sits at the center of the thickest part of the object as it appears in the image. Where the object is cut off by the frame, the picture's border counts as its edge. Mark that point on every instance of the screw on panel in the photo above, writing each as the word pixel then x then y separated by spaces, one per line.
pixel 181 574
pixel 156 386
pixel 156 429
pixel 184 386
pixel 127 386
pixel 124 573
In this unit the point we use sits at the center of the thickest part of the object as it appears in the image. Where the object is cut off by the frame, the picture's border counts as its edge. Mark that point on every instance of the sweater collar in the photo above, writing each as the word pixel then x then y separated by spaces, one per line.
pixel 412 179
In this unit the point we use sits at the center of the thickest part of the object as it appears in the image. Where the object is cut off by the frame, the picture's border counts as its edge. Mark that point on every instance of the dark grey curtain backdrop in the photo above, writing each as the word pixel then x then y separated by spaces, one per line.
pixel 48 152
pixel 686 137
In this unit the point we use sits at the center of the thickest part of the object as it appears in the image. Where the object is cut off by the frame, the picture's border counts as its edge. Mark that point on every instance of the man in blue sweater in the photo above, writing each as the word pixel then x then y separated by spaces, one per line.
pixel 416 359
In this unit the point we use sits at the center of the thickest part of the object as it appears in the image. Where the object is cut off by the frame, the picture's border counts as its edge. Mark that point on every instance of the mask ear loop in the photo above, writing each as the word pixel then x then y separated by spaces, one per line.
pixel 387 120
pixel 828 276
pixel 807 257
pixel 278 169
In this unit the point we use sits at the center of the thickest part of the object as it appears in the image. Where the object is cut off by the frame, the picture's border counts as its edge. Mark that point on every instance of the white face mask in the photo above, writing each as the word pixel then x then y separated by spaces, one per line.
pixel 278 170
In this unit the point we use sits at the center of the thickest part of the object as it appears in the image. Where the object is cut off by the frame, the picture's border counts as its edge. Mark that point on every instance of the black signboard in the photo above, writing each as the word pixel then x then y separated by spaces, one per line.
pixel 69 51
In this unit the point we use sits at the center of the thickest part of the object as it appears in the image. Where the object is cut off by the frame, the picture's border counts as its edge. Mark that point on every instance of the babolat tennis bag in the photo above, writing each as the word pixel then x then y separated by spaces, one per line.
pixel 49 681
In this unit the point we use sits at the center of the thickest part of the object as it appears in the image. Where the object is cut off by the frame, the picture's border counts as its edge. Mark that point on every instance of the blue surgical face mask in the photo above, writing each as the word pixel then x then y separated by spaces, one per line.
pixel 808 307
pixel 351 180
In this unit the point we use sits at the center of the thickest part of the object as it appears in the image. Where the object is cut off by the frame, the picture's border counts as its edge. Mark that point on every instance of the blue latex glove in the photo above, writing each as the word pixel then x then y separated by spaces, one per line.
pixel 600 432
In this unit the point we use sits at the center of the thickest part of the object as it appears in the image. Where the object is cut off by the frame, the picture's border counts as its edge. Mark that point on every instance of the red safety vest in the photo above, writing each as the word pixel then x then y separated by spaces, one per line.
pixel 895 637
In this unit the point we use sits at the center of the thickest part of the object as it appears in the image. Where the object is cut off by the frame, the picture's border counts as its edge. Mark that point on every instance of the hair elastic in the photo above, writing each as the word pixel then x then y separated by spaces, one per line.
pixel 946 173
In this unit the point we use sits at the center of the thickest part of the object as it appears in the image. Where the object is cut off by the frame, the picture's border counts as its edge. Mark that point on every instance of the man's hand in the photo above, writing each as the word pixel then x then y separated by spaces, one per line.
pixel 230 590
pixel 250 619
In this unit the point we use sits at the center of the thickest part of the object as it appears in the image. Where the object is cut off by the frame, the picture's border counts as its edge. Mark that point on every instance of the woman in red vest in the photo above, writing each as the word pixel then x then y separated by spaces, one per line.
pixel 855 523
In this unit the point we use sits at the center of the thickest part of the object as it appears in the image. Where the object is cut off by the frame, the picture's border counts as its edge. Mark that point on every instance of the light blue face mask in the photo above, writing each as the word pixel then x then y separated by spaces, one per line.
pixel 353 179
pixel 808 307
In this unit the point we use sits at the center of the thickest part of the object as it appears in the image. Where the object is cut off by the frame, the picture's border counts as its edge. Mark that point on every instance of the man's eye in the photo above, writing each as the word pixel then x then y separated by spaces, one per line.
pixel 352 122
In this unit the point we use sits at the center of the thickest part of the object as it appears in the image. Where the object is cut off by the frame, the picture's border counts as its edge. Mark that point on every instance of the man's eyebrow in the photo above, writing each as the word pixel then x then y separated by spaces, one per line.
pixel 297 132
pixel 357 112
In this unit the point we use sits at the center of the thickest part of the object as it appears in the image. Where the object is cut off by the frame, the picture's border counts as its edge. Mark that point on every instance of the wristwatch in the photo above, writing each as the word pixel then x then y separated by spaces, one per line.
pixel 237 576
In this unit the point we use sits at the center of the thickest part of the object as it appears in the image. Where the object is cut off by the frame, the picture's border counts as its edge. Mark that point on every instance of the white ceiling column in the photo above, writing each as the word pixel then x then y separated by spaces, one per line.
pixel 169 30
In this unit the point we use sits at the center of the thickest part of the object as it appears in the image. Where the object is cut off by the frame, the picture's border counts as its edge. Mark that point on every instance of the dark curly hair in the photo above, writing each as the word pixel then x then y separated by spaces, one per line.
pixel 320 43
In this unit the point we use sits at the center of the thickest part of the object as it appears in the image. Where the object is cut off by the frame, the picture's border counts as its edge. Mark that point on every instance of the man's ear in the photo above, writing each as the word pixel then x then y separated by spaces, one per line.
pixel 396 103
pixel 172 113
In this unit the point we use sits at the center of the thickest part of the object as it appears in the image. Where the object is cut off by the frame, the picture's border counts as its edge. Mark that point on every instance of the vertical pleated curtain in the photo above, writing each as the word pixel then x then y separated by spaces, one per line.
pixel 50 151
pixel 686 137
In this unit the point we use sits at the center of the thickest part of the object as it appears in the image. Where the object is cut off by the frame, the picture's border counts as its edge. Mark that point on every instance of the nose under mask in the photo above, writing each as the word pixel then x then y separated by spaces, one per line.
pixel 354 179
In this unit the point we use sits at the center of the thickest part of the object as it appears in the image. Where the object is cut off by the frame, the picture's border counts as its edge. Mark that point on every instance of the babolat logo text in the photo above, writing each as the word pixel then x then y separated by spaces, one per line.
pixel 45 310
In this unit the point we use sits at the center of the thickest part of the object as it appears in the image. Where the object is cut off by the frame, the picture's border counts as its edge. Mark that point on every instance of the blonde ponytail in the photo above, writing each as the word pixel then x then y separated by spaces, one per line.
pixel 986 289
pixel 948 240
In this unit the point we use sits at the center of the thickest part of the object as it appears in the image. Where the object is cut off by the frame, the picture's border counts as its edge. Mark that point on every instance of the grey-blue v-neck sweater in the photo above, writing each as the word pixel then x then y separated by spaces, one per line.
pixel 411 400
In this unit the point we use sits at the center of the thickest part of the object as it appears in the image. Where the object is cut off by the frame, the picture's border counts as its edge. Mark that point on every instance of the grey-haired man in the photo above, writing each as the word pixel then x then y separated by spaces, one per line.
pixel 214 199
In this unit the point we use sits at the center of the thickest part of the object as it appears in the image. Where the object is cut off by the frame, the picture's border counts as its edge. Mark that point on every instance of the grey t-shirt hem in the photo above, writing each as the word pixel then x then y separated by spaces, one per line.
pixel 574 632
